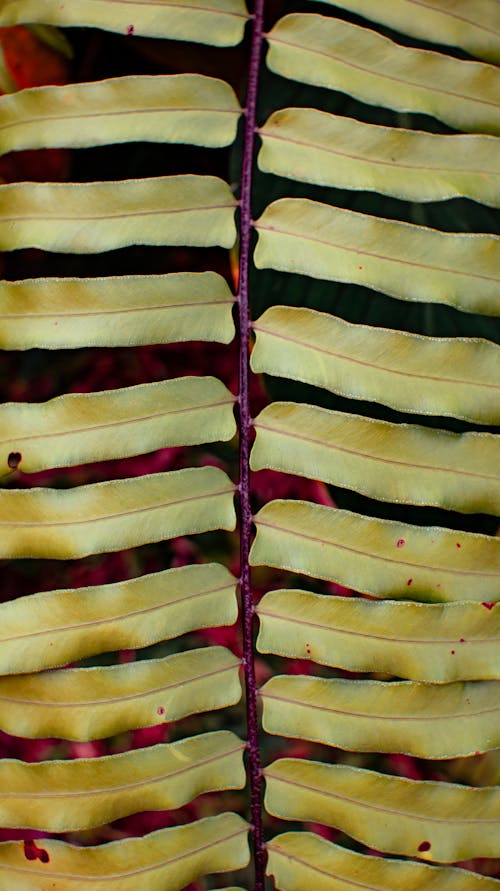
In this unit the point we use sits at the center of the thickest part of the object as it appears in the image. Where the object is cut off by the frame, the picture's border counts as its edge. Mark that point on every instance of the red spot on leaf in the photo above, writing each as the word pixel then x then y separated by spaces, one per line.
pixel 462 640
pixel 487 604
pixel 160 710
pixel 130 30
pixel 33 852
pixel 452 652
pixel 308 649
pixel 424 846
pixel 400 543
pixel 409 582
pixel 458 544
pixel 14 460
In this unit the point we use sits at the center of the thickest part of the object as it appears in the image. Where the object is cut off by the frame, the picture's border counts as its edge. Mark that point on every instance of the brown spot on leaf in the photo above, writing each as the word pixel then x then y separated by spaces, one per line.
pixel 458 544
pixel 409 582
pixel 33 852
pixel 462 640
pixel 424 846
pixel 452 652
pixel 14 460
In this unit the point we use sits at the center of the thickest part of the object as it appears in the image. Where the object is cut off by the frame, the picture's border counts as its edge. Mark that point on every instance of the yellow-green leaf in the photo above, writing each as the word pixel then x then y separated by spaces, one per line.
pixel 426 375
pixel 299 860
pixel 405 261
pixel 82 427
pixel 161 108
pixel 79 218
pixel 66 524
pixel 91 703
pixel 425 720
pixel 59 796
pixel 327 150
pixel 338 55
pixel 383 558
pixel 60 313
pixel 168 858
pixel 424 642
pixel 215 22
pixel 391 462
pixel 56 627
pixel 389 813
pixel 475 27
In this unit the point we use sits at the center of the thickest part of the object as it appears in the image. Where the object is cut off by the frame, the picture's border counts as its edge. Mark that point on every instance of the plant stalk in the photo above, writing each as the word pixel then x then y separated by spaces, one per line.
pixel 245 432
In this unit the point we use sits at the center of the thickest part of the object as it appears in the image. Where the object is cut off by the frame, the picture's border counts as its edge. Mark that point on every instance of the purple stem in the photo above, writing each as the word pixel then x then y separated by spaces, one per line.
pixel 245 430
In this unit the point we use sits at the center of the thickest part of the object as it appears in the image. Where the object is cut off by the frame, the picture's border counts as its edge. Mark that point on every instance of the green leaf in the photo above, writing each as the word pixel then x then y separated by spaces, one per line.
pixel 338 55
pixel 473 27
pixel 388 813
pixel 168 858
pixel 428 375
pixel 92 703
pixel 57 313
pixel 56 627
pixel 391 462
pixel 435 721
pixel 299 860
pixel 65 524
pixel 82 427
pixel 383 558
pixel 215 22
pixel 327 150
pixel 438 643
pixel 405 261
pixel 59 796
pixel 162 108
pixel 81 218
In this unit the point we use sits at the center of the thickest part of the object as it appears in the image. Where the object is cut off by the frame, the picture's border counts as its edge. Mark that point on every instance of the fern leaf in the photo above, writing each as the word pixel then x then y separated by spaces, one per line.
pixel 409 372
pixel 474 28
pixel 377 557
pixel 438 643
pixel 382 460
pixel 168 858
pixel 78 428
pixel 328 150
pixel 59 796
pixel 91 703
pixel 425 720
pixel 400 259
pixel 95 217
pixel 299 860
pixel 331 53
pixel 56 627
pixel 166 108
pixel 387 813
pixel 216 22
pixel 115 514
pixel 115 311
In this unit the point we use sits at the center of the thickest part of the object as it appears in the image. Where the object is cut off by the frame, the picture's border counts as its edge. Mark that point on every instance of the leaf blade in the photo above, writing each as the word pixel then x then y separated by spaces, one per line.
pixel 306 237
pixel 114 515
pixel 304 860
pixel 389 813
pixel 91 703
pixel 338 55
pixel 400 463
pixel 409 372
pixel 215 22
pixel 168 857
pixel 425 720
pixel 437 643
pixel 94 217
pixel 126 310
pixel 328 150
pixel 60 796
pixel 186 108
pixel 70 429
pixel 52 628
pixel 377 557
